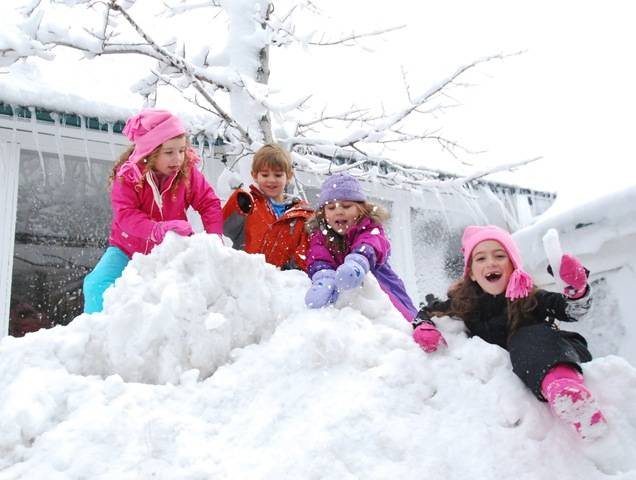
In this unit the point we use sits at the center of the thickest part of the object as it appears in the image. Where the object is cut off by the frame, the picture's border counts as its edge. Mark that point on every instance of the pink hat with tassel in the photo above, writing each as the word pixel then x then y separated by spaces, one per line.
pixel 520 283
pixel 147 130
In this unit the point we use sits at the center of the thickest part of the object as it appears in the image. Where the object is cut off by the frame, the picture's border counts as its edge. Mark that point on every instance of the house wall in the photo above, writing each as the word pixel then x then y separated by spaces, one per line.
pixel 57 216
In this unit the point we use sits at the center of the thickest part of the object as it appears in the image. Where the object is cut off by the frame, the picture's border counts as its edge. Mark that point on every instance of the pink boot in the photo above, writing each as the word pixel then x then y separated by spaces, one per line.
pixel 573 403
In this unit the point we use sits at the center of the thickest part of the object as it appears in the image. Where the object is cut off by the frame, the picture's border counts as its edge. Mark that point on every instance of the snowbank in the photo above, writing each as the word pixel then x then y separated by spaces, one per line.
pixel 206 364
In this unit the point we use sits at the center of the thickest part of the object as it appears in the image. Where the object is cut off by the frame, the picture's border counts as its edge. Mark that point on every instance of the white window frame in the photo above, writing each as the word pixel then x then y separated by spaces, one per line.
pixel 17 134
pixel 10 158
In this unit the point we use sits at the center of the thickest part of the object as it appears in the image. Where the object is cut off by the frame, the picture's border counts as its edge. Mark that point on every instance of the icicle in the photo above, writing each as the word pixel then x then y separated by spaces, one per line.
pixel 510 219
pixel 36 138
pixel 14 134
pixel 201 139
pixel 211 150
pixel 110 141
pixel 477 213
pixel 84 126
pixel 58 143
pixel 442 207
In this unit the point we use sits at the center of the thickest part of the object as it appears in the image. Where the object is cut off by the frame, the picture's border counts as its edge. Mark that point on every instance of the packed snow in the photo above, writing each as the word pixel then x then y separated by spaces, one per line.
pixel 206 364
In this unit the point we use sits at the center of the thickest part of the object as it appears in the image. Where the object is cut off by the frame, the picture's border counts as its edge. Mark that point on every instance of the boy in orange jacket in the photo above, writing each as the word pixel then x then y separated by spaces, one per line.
pixel 266 219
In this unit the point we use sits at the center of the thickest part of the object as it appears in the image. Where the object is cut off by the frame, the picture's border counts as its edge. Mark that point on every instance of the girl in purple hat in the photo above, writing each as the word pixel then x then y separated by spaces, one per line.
pixel 498 303
pixel 346 242
pixel 153 184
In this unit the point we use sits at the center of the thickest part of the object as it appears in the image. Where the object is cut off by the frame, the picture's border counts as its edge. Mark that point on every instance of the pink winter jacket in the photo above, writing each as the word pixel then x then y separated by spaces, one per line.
pixel 135 210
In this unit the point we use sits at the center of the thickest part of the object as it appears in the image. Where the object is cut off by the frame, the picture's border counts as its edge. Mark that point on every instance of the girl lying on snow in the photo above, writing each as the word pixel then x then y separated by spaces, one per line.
pixel 498 303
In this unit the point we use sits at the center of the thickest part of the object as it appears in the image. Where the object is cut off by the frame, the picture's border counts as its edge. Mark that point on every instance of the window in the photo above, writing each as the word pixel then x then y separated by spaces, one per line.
pixel 62 226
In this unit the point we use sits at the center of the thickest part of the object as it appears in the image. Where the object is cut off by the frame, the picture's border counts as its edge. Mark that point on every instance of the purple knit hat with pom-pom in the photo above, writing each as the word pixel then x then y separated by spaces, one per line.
pixel 341 187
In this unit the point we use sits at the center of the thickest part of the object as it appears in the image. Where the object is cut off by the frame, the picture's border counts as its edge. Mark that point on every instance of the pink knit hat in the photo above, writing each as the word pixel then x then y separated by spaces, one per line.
pixel 520 282
pixel 147 130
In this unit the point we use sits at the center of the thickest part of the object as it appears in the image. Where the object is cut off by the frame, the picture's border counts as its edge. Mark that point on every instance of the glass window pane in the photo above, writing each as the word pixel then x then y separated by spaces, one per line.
pixel 62 227
pixel 436 240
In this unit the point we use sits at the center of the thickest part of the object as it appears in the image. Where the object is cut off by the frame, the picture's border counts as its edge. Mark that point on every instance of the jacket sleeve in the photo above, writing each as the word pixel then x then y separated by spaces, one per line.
pixel 127 210
pixel 433 305
pixel 557 305
pixel 205 201
pixel 302 247
pixel 318 255
pixel 232 207
pixel 372 236
pixel 234 221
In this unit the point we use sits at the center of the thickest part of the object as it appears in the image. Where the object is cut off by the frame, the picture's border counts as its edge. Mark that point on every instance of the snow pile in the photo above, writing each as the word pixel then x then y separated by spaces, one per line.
pixel 206 364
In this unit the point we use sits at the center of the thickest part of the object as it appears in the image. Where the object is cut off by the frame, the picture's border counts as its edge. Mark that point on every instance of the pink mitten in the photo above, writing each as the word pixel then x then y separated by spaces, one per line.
pixel 574 275
pixel 160 229
pixel 428 337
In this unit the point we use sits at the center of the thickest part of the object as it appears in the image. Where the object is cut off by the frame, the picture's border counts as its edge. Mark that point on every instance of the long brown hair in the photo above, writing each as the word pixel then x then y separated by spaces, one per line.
pixel 337 241
pixel 465 295
pixel 149 162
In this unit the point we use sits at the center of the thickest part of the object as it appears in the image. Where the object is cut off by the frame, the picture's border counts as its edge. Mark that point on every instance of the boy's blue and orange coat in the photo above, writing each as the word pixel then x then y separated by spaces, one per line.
pixel 282 240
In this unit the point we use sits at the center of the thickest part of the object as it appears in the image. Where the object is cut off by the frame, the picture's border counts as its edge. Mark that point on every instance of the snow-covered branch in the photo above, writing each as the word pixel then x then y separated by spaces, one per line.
pixel 184 68
pixel 507 167
pixel 378 132
pixel 229 81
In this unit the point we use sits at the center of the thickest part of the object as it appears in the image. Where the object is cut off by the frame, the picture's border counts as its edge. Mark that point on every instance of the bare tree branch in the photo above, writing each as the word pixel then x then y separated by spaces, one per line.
pixel 354 37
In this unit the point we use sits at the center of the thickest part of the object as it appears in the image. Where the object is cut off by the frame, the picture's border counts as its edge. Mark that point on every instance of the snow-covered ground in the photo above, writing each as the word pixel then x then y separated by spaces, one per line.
pixel 206 364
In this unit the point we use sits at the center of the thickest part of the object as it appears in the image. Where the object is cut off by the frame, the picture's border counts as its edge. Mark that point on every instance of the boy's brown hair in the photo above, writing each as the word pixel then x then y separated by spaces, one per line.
pixel 274 157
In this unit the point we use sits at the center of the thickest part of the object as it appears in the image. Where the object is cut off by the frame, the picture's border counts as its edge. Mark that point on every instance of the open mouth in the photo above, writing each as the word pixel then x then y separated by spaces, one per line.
pixel 340 226
pixel 493 277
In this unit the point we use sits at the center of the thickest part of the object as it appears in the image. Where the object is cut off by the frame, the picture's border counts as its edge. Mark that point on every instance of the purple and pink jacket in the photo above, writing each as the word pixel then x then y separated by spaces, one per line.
pixel 136 210
pixel 366 238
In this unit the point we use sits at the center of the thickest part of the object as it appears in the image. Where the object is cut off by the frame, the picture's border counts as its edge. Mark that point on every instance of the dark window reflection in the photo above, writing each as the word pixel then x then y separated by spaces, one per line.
pixel 63 221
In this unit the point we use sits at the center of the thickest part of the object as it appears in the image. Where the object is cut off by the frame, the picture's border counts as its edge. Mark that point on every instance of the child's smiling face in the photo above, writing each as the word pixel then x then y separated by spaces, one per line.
pixel 491 267
pixel 171 156
pixel 272 183
pixel 341 216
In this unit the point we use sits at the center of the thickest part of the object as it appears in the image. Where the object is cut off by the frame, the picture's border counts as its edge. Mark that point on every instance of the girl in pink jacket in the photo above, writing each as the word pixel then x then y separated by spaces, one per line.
pixel 153 184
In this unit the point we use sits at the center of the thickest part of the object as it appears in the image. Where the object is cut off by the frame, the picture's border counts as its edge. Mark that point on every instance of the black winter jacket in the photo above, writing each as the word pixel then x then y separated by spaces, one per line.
pixel 491 320
pixel 537 345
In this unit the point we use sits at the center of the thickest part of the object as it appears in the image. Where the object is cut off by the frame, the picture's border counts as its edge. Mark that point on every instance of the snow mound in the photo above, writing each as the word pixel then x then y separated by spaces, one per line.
pixel 206 364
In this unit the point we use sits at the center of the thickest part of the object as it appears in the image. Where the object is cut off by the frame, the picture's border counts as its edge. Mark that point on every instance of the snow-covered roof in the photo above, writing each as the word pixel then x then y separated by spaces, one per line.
pixel 92 116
